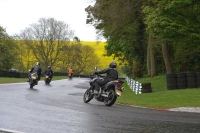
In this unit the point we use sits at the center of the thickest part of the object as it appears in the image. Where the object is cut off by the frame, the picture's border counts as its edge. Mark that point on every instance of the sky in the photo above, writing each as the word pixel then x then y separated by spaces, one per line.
pixel 16 15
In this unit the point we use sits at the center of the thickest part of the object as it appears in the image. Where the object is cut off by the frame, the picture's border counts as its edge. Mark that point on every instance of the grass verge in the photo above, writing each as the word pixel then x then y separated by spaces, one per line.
pixel 161 97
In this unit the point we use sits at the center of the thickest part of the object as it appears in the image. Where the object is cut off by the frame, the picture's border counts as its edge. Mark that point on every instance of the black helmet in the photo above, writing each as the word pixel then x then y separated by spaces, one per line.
pixel 113 65
pixel 38 64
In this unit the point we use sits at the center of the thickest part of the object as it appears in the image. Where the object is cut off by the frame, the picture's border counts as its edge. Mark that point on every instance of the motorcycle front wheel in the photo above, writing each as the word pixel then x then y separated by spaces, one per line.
pixel 87 96
pixel 31 85
pixel 110 100
pixel 47 81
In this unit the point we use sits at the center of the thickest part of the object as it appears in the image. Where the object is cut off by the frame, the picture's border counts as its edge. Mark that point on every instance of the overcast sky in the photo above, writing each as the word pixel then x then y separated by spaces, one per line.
pixel 16 15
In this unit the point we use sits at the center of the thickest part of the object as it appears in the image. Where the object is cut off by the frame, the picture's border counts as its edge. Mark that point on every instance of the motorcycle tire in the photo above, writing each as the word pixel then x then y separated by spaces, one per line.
pixel 111 98
pixel 31 86
pixel 87 96
pixel 47 81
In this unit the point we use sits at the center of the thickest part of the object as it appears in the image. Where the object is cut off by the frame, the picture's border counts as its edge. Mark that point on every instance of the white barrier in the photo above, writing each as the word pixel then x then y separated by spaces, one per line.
pixel 134 85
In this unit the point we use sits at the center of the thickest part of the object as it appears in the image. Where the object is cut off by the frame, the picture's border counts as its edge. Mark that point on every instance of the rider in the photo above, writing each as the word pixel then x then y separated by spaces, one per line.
pixel 70 71
pixel 36 69
pixel 49 72
pixel 111 74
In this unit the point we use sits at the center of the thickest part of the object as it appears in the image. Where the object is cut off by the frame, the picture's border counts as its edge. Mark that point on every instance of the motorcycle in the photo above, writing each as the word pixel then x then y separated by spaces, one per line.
pixel 70 75
pixel 107 94
pixel 33 80
pixel 47 80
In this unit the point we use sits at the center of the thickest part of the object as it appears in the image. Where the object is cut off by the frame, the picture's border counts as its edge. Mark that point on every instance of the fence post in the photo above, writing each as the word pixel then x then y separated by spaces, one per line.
pixel 134 85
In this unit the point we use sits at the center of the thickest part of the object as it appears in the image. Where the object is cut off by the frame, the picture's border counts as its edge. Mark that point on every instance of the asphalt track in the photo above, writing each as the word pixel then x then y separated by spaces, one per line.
pixel 59 108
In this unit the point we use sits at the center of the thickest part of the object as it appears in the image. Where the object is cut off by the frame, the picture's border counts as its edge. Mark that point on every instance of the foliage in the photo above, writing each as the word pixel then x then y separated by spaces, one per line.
pixel 91 54
pixel 48 42
pixel 8 50
pixel 51 36
pixel 123 24
pixel 186 57
pixel 177 24
pixel 137 69
pixel 173 20
pixel 82 58
pixel 128 70
pixel 120 22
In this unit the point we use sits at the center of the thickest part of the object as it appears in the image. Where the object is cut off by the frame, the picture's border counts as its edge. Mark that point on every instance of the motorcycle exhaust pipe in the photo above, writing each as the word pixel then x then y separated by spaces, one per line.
pixel 104 95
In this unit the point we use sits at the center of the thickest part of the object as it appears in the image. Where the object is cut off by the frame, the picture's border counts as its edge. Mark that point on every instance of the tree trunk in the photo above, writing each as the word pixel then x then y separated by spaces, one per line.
pixel 148 59
pixel 152 57
pixel 168 64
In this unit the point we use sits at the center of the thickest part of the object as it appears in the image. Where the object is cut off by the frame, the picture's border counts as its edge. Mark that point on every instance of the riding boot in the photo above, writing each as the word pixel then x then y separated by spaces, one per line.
pixel 99 93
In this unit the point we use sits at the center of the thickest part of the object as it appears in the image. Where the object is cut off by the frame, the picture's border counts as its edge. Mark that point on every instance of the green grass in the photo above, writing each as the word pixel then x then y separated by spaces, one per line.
pixel 161 96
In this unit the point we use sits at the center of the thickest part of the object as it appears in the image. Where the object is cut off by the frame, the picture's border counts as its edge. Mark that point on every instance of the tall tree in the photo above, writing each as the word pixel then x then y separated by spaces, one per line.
pixel 46 39
pixel 151 57
pixel 173 21
pixel 8 50
pixel 82 58
pixel 121 23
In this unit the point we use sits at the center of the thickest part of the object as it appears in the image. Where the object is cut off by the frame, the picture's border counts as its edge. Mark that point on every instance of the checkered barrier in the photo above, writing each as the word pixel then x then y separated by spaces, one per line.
pixel 134 85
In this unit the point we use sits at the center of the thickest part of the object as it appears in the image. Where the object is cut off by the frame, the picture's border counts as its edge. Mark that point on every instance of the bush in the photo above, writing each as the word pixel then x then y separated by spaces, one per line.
pixel 137 69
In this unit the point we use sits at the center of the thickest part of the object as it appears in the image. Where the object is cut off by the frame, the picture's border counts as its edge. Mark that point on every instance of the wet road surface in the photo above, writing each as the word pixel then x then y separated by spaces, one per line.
pixel 59 108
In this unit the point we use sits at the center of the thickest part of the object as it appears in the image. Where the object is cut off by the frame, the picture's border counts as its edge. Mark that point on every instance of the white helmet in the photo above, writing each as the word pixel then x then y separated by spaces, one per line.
pixel 38 64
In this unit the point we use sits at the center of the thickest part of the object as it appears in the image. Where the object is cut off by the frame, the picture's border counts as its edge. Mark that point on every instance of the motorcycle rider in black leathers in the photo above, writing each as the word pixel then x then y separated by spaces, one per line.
pixel 49 72
pixel 36 69
pixel 111 74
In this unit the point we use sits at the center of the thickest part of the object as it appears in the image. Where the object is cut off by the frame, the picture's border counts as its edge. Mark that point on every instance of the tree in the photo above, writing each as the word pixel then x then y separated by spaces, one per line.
pixel 121 23
pixel 151 57
pixel 8 50
pixel 174 22
pixel 46 39
pixel 82 58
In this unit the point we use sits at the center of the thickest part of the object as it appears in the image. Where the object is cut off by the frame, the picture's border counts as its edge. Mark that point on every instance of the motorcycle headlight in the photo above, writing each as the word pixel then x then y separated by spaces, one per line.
pixel 34 76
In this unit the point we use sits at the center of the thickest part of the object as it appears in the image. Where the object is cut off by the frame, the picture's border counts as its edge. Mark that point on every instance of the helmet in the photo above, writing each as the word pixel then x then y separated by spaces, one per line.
pixel 113 65
pixel 49 67
pixel 38 64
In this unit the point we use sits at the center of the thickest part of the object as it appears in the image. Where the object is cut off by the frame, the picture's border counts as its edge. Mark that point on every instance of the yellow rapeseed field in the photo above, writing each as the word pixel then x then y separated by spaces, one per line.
pixel 99 47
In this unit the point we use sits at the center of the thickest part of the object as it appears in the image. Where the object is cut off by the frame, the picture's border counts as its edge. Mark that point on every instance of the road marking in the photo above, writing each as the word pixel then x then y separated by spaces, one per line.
pixel 2 130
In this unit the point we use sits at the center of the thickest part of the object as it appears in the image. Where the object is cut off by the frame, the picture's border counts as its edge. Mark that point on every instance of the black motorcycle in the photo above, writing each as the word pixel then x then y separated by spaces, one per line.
pixel 107 94
pixel 33 80
pixel 47 79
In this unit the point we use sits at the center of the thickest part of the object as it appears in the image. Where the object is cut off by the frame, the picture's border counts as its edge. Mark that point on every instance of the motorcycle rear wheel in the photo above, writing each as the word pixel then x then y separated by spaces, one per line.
pixel 111 98
pixel 87 96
